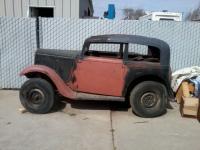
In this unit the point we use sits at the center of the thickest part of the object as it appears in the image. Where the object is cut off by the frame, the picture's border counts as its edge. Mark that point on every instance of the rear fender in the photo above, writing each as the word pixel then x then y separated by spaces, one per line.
pixel 133 82
pixel 61 86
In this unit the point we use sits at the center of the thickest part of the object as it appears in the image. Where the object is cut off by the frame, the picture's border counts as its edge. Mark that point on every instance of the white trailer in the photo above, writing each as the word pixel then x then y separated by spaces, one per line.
pixel 157 16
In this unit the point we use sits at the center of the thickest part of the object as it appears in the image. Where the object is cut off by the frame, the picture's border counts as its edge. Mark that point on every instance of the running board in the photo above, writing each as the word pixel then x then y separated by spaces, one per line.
pixel 86 96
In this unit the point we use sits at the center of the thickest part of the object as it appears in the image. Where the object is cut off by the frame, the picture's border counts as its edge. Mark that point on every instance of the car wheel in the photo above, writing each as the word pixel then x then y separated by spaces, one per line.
pixel 148 99
pixel 37 96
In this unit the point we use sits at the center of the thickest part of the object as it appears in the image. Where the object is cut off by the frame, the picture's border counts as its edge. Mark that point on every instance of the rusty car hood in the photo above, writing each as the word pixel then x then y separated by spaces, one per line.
pixel 62 61
pixel 59 53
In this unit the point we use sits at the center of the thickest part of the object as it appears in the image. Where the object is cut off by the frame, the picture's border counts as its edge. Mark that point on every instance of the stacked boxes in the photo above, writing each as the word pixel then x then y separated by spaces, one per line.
pixel 189 105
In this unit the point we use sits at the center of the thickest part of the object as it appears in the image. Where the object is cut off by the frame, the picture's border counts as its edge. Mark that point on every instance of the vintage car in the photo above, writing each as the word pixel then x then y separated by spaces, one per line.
pixel 123 74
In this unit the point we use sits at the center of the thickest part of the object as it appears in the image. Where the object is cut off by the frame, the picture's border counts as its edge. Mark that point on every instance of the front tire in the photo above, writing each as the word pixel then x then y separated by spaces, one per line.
pixel 148 99
pixel 37 96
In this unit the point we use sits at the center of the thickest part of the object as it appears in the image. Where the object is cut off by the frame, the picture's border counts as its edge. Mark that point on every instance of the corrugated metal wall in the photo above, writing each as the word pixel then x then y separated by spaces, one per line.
pixel 19 8
pixel 18 40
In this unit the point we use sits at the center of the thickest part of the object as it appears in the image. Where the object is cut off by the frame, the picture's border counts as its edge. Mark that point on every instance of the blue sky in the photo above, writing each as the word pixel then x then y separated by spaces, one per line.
pixel 150 5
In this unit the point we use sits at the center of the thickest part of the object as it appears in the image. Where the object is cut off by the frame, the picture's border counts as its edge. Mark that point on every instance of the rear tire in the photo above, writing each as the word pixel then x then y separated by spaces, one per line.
pixel 148 99
pixel 37 96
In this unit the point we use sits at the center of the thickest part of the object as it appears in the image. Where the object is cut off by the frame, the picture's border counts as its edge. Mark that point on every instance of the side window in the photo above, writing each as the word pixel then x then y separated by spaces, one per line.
pixel 143 53
pixel 105 50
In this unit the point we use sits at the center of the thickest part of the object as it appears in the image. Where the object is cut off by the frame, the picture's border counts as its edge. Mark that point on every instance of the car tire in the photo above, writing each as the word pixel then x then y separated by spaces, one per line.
pixel 148 99
pixel 37 96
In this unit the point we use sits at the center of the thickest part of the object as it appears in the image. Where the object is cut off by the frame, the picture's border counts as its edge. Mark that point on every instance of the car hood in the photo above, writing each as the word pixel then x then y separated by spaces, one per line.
pixel 62 61
pixel 59 53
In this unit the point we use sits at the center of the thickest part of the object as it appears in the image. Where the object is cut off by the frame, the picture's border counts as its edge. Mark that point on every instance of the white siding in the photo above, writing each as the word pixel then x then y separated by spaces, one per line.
pixel 33 2
pixel 2 8
pixel 74 8
pixel 42 3
pixel 67 8
pixel 50 2
pixel 58 8
pixel 9 8
pixel 25 7
pixel 18 8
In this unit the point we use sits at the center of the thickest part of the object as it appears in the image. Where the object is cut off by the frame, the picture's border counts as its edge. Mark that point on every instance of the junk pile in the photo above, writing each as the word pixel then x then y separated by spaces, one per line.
pixel 186 85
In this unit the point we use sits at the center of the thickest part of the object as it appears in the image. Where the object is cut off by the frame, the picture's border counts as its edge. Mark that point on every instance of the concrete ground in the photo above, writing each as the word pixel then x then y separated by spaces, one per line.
pixel 93 126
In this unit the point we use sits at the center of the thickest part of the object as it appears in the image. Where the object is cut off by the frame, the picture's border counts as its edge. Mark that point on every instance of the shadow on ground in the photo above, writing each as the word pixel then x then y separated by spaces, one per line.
pixel 91 105
pixel 62 102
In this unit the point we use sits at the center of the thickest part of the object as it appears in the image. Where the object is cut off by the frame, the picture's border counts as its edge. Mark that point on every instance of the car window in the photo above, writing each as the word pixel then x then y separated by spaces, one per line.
pixel 143 53
pixel 105 50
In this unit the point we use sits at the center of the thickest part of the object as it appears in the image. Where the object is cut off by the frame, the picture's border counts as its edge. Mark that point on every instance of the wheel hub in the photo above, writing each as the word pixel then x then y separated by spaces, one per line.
pixel 36 96
pixel 149 99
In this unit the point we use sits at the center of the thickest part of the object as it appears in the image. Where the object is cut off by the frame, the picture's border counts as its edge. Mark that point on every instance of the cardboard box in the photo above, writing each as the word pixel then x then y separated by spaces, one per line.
pixel 189 112
pixel 184 90
pixel 190 106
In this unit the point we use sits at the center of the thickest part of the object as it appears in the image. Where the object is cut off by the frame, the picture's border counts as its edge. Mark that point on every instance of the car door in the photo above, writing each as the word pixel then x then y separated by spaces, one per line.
pixel 100 75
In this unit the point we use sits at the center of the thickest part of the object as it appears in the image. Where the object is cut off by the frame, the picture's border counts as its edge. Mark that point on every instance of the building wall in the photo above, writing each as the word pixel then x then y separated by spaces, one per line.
pixel 75 8
pixel 62 8
pixel 84 6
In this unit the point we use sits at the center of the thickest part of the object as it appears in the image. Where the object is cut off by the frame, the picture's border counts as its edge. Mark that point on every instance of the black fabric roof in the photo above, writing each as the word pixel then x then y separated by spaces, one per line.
pixel 123 38
pixel 134 39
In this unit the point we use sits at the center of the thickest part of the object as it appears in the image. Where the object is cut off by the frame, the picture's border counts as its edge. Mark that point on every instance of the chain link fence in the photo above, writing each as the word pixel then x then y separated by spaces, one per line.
pixel 18 40
pixel 17 47
pixel 183 37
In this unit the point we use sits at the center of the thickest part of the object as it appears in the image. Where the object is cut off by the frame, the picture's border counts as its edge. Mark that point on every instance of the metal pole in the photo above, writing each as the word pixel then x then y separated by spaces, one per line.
pixel 37 33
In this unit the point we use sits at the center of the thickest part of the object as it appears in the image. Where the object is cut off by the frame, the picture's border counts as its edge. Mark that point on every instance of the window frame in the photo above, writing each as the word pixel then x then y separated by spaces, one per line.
pixel 121 50
pixel 126 52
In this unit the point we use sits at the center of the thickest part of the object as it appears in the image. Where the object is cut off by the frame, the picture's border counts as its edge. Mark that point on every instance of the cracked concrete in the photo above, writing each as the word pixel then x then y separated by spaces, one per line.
pixel 92 126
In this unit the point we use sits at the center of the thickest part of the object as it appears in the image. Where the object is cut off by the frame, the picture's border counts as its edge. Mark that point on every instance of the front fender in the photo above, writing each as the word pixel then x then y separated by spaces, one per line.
pixel 62 88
